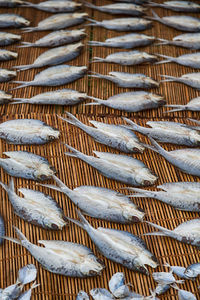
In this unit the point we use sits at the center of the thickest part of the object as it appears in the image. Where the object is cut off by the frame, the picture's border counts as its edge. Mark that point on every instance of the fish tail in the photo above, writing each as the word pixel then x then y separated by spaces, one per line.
pixel 170 78
pixel 83 223
pixel 29 29
pixel 162 42
pixel 20 239
pixel 60 188
pixel 95 75
pixel 72 120
pixel 156 145
pixel 23 67
pixel 142 193
pixel 176 108
pixel 25 45
pixel 75 152
pixel 34 285
pixel 163 231
pixel 181 281
pixel 133 124
pixel 87 4
pixel 94 22
pixel 91 103
pixel 20 100
pixel 152 4
pixel 95 43
pixel 5 186
pixel 195 121
pixel 25 84
pixel 155 16
pixel 175 286
pixel 97 59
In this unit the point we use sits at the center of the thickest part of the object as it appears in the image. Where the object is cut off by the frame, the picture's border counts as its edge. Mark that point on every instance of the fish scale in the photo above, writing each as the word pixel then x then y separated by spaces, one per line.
pixel 55 7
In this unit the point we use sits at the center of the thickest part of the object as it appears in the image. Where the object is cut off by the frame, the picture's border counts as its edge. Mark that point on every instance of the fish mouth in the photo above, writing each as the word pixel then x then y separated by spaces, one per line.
pixel 143 270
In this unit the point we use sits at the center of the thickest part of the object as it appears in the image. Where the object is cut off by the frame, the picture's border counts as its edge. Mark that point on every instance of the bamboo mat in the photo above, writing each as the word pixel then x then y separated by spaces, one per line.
pixel 74 172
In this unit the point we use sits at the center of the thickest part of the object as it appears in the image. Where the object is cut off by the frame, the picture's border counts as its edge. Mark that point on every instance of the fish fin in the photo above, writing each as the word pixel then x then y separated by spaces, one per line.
pixel 25 45
pixel 163 231
pixel 75 152
pixel 72 120
pixel 23 67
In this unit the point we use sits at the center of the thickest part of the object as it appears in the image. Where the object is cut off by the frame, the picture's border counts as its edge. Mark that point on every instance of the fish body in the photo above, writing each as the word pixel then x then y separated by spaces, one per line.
pixel 126 41
pixel 5 97
pixel 27 295
pixel 7 55
pixel 13 21
pixel 2 229
pixel 54 56
pixel 57 38
pixel 122 24
pixel 120 246
pixel 192 271
pixel 7 38
pixel 177 270
pixel 54 76
pixel 169 132
pixel 27 274
pixel 162 288
pixel 11 292
pixel 58 97
pixel 187 232
pixel 101 294
pixel 11 3
pixel 82 296
pixel 183 23
pixel 59 21
pixel 36 208
pixel 6 75
pixel 165 278
pixel 102 203
pixel 192 105
pixel 27 131
pixel 181 195
pixel 130 58
pixel 189 60
pixel 187 40
pixel 114 136
pixel 179 6
pixel 190 79
pixel 129 80
pixel 133 101
pixel 184 295
pixel 63 258
pixel 119 8
pixel 140 2
pixel 122 168
pixel 55 7
pixel 118 287
pixel 26 165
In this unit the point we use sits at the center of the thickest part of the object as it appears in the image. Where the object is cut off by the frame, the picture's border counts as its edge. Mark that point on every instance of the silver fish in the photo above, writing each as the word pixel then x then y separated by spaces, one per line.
pixel 181 195
pixel 188 232
pixel 126 41
pixel 7 38
pixel 177 270
pixel 58 21
pixel 189 60
pixel 184 295
pixel 56 38
pixel 162 288
pixel 54 76
pixel 60 257
pixel 58 97
pixel 122 24
pixel 55 7
pixel 122 168
pixel 36 208
pixel 119 8
pixel 130 58
pixel 180 6
pixel 82 296
pixel 183 23
pixel 187 40
pixel 117 285
pixel 12 20
pixel 101 203
pixel 54 56
pixel 7 55
pixel 114 136
pixel 27 295
pixel 11 292
pixel 187 160
pixel 5 97
pixel 101 294
pixel 132 1
pixel 120 246
pixel 26 165
pixel 6 75
pixel 11 3
pixel 197 122
pixel 168 132
pixel 190 79
pixel 27 131
pixel 165 278
pixel 27 274
pixel 192 271
pixel 132 101
pixel 128 80
pixel 2 229
pixel 192 105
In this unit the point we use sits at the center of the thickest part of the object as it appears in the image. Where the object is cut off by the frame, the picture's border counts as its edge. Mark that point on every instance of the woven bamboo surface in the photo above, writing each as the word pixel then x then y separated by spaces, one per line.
pixel 74 172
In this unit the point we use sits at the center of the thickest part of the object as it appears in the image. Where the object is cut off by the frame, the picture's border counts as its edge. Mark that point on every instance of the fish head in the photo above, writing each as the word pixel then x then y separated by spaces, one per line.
pixel 24 22
pixel 92 266
pixel 44 172
pixel 190 273
pixel 132 145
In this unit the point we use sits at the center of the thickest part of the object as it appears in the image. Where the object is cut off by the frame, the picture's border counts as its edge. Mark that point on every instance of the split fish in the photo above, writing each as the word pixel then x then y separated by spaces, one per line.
pixel 190 79
pixel 55 7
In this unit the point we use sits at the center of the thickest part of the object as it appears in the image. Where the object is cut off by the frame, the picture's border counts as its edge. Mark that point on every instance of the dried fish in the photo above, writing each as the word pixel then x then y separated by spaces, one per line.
pixel 128 80
pixel 54 76
pixel 122 24
pixel 82 296
pixel 184 23
pixel 7 55
pixel 179 271
pixel 188 232
pixel 130 58
pixel 27 295
pixel 59 257
pixel 59 97
pixel 57 38
pixel 126 41
pixel 118 287
pixel 36 208
pixel 190 79
pixel 162 288
pixel 2 229
pixel 187 160
pixel 192 271
pixel 165 278
pixel 120 246
pixel 184 295
pixel 27 274
pixel 6 75
pixel 193 105
pixel 5 97
pixel 11 292
pixel 55 7
pixel 189 60
pixel 187 40
pixel 168 132
pixel 132 1
pixel 119 8
pixel 101 203
pixel 11 3
pixel 114 136
pixel 12 20
pixel 180 6
pixel 7 38
pixel 27 131
pixel 181 195
pixel 132 101
pixel 27 165
pixel 58 21
pixel 101 294
pixel 122 168
pixel 197 122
